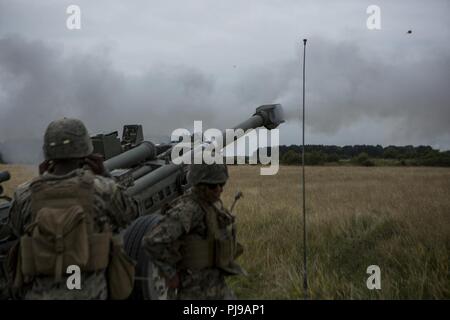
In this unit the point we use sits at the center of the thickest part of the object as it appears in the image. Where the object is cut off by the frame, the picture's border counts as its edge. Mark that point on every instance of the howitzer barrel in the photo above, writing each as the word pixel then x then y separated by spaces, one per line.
pixel 141 172
pixel 145 151
pixel 254 121
pixel 269 116
pixel 4 176
pixel 152 178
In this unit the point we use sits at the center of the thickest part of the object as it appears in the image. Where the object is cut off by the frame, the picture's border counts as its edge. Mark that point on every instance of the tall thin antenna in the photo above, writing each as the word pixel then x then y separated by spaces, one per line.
pixel 305 275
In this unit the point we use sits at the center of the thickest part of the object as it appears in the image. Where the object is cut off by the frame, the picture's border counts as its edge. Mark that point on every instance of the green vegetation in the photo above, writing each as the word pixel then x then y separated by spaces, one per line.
pixel 365 155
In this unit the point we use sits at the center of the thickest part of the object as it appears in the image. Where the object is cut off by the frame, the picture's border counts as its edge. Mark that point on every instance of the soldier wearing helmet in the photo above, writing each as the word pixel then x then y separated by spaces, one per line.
pixel 68 216
pixel 194 246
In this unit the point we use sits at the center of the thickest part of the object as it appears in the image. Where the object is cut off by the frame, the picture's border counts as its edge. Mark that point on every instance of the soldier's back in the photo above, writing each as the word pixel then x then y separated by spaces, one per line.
pixel 197 283
pixel 104 206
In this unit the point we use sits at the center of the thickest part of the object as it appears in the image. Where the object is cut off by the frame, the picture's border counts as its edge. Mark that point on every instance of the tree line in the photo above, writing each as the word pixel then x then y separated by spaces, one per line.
pixel 366 155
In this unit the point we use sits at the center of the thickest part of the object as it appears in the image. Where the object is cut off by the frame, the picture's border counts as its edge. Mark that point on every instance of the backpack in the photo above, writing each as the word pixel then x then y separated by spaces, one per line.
pixel 63 231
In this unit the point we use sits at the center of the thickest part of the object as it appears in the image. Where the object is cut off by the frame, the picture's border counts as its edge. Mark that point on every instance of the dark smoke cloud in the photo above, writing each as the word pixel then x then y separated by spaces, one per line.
pixel 40 83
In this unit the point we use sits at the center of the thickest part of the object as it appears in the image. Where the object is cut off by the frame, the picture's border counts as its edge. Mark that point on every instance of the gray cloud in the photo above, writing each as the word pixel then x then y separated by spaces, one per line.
pixel 39 84
pixel 346 86
pixel 164 67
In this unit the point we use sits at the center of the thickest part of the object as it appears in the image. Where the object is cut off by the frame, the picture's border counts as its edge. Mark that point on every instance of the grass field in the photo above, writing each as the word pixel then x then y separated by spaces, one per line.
pixel 395 217
pixel 19 174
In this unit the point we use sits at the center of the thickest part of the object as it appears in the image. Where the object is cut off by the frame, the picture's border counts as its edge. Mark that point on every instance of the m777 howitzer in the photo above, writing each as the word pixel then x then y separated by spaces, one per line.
pixel 153 179
pixel 146 170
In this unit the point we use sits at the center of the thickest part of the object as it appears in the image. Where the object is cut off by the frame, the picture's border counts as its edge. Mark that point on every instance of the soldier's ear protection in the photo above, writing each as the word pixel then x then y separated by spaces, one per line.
pixel 95 162
pixel 46 165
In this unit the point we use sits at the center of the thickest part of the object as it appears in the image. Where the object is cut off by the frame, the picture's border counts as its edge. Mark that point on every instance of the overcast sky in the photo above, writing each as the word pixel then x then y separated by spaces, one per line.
pixel 165 64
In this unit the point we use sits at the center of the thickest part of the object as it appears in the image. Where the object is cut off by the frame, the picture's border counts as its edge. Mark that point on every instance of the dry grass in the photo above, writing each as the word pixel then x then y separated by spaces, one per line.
pixel 397 218
pixel 19 174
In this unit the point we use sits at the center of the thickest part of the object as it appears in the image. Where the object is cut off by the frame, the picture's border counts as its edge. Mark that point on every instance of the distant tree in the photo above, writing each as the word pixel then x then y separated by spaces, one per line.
pixel 409 152
pixel 315 158
pixel 348 152
pixel 363 159
pixel 423 150
pixel 391 153
pixel 332 158
pixel 435 158
pixel 377 151
pixel 291 157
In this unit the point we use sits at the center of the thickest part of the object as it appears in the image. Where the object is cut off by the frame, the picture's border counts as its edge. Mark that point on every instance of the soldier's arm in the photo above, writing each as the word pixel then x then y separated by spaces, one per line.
pixel 123 209
pixel 119 208
pixel 19 212
pixel 14 219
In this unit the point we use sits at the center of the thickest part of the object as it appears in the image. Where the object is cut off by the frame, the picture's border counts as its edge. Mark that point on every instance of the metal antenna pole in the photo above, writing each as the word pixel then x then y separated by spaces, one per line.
pixel 305 275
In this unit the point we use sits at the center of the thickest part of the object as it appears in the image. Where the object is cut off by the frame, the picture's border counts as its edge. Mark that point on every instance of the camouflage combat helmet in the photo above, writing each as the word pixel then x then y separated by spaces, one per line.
pixel 207 173
pixel 67 138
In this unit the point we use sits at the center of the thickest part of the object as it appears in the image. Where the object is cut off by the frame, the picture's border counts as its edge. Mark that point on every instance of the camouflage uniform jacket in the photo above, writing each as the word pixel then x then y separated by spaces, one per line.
pixel 111 207
pixel 186 217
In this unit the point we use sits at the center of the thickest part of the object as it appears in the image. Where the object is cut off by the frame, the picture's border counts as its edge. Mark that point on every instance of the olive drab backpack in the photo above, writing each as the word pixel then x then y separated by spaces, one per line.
pixel 62 231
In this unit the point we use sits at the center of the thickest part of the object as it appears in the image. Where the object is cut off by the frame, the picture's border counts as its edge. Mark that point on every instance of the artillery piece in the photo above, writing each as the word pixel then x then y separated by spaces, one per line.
pixel 146 170
pixel 153 179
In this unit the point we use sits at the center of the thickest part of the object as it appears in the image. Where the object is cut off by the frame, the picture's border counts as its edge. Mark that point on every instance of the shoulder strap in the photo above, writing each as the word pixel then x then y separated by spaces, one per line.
pixel 63 192
pixel 211 219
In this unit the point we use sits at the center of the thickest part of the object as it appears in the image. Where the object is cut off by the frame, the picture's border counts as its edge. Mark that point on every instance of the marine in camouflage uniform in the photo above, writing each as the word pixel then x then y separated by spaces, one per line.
pixel 68 152
pixel 194 246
